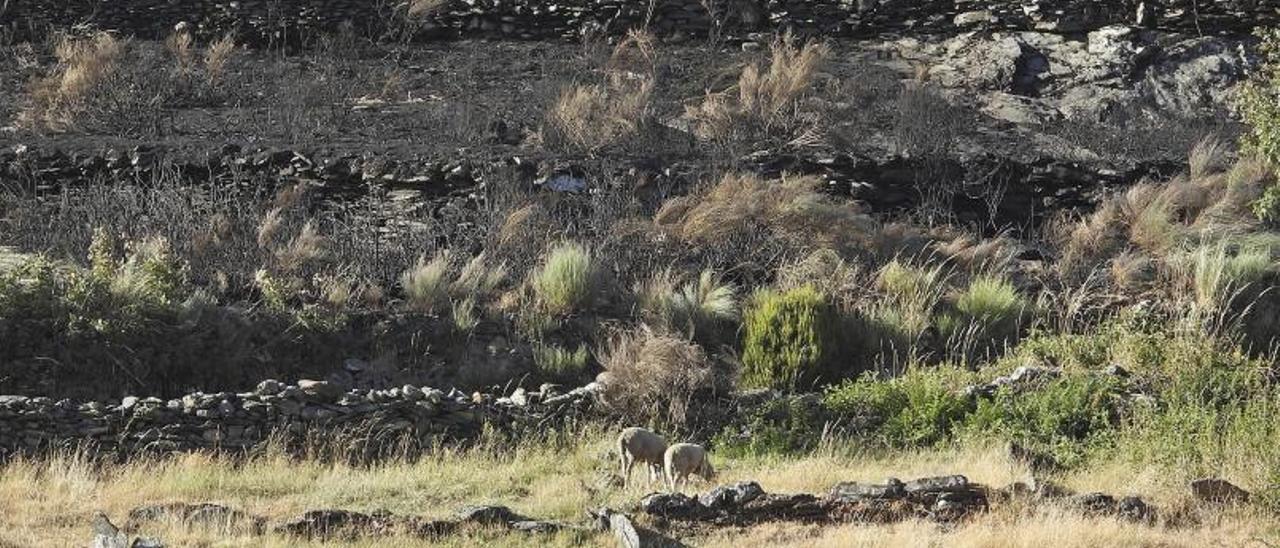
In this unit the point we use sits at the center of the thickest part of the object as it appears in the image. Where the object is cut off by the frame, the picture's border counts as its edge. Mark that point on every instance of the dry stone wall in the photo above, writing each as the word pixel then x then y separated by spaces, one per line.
pixel 285 20
pixel 239 421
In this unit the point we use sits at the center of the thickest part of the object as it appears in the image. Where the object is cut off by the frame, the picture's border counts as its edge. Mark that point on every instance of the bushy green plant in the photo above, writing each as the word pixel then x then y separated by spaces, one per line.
pixel 567 280
pixel 917 409
pixel 1259 101
pixel 792 340
pixel 781 426
pixel 1067 417
pixel 1267 207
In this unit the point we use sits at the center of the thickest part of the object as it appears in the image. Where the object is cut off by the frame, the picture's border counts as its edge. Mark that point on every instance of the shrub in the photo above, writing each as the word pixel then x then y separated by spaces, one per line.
pixel 1068 417
pixel 1258 104
pixel 426 284
pixel 698 308
pixel 567 280
pixel 917 409
pixel 1267 207
pixel 785 425
pixel 791 340
pixel 766 103
pixel 655 377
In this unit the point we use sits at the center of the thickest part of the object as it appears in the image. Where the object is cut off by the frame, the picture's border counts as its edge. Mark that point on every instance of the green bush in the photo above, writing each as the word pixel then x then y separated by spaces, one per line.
pixel 567 280
pixel 792 340
pixel 917 409
pixel 1259 104
pixel 786 425
pixel 1068 417
pixel 1267 207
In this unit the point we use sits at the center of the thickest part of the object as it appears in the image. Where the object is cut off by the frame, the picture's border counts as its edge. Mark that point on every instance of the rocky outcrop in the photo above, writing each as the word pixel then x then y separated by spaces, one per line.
pixel 239 421
pixel 942 498
pixel 297 21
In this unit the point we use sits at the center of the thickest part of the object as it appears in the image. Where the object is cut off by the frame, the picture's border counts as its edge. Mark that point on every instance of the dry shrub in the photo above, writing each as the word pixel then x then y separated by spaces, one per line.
pixel 588 118
pixel 304 248
pixel 766 101
pixel 180 44
pixel 653 377
pixel 58 100
pixel 792 208
pixel 217 57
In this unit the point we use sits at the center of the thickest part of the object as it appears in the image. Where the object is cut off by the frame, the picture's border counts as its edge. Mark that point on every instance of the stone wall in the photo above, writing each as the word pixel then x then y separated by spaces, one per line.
pixel 239 421
pixel 294 20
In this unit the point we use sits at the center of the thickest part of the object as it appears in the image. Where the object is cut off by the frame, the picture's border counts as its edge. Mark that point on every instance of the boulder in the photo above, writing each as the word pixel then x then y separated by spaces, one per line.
pixel 1218 490
pixel 320 390
pixel 488 515
pixel 892 489
pixel 672 505
pixel 731 496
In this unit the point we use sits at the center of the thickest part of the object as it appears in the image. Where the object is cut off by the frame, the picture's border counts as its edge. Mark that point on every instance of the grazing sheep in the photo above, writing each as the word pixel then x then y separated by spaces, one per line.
pixel 683 459
pixel 640 445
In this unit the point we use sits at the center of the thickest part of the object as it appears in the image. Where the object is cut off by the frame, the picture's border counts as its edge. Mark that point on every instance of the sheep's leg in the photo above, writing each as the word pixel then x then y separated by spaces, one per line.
pixel 627 465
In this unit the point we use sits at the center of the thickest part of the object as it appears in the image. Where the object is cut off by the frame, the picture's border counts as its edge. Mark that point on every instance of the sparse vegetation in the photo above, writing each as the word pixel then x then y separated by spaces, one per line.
pixel 698 228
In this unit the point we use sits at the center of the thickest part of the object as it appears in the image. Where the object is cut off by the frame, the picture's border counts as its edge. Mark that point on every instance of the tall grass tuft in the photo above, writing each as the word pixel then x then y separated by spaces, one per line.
pixel 426 284
pixel 567 280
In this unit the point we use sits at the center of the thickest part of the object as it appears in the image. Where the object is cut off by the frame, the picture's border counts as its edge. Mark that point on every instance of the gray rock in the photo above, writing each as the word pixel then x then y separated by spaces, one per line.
pixel 320 390
pixel 851 490
pixel 974 18
pixel 672 505
pixel 730 496
pixel 106 534
pixel 147 542
pixel 1218 490
pixel 488 515
pixel 269 387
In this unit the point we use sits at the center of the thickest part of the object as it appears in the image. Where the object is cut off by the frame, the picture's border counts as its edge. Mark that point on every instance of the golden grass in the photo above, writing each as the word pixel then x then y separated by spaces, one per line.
pixel 58 100
pixel 792 207
pixel 765 99
pixel 50 502
pixel 592 117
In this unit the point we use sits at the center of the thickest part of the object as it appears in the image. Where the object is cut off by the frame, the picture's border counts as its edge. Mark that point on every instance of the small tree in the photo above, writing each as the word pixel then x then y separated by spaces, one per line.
pixel 792 339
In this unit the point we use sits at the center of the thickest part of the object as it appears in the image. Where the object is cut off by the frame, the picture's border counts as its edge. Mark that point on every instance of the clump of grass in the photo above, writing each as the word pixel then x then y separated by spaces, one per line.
pixel 698 307
pixel 592 117
pixel 426 284
pixel 559 363
pixel 912 294
pixel 59 100
pixel 765 101
pixel 567 281
pixel 989 312
pixel 792 209
pixel 652 377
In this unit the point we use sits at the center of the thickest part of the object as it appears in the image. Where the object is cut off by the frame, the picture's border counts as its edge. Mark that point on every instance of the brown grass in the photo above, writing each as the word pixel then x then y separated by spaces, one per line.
pixel 791 207
pixel 766 100
pixel 418 9
pixel 217 57
pixel 596 116
pixel 653 376
pixel 51 502
pixel 58 100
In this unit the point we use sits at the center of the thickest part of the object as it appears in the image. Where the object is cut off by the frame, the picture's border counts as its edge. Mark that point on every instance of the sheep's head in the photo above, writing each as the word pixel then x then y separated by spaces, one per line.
pixel 707 471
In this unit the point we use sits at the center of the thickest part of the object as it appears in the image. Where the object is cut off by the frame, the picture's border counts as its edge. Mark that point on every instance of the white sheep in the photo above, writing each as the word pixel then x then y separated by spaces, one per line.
pixel 684 459
pixel 637 445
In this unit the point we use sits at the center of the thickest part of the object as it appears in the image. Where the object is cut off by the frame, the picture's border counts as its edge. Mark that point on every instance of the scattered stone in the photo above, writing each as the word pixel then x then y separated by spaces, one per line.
pixel 731 496
pixel 107 535
pixel 1218 490
pixel 488 515
pixel 320 390
pixel 672 505
pixel 974 18
pixel 147 542
pixel 892 489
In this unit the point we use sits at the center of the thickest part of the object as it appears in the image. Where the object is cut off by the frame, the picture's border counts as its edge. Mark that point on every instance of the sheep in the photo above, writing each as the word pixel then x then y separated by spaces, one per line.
pixel 683 459
pixel 640 445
